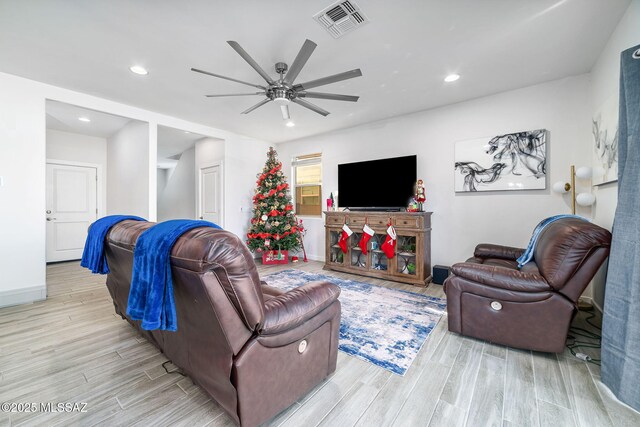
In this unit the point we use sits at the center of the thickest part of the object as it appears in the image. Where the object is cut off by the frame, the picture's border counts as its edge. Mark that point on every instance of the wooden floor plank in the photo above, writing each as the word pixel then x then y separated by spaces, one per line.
pixel 447 415
pixel 588 405
pixel 321 403
pixel 488 396
pixel 147 388
pixel 457 390
pixel 420 405
pixel 520 405
pixel 495 350
pixel 553 415
pixel 550 383
pixel 384 409
pixel 356 401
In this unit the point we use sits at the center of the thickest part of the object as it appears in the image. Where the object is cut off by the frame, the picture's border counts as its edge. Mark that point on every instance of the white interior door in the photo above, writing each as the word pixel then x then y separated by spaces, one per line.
pixel 210 197
pixel 72 201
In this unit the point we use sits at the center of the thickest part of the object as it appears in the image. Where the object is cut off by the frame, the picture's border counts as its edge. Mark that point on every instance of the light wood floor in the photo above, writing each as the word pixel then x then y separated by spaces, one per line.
pixel 73 348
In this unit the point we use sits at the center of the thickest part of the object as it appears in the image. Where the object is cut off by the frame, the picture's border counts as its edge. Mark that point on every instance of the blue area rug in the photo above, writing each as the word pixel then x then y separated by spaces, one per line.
pixel 386 327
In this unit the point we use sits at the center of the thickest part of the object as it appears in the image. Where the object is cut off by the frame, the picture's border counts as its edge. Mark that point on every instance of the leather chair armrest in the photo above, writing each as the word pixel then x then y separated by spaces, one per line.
pixel 269 291
pixel 295 307
pixel 501 277
pixel 487 250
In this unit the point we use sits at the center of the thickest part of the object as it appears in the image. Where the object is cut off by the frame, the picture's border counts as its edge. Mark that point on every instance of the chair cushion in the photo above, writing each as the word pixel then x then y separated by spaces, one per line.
pixel 564 246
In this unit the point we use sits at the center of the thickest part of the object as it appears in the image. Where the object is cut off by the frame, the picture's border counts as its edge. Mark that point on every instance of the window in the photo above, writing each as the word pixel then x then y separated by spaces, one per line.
pixel 307 172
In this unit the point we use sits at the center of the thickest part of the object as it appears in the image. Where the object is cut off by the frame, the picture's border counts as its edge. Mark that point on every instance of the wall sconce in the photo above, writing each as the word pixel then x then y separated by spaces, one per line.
pixel 583 199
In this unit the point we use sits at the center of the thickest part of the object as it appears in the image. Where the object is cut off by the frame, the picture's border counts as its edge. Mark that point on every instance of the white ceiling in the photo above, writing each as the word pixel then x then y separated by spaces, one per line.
pixel 64 117
pixel 404 53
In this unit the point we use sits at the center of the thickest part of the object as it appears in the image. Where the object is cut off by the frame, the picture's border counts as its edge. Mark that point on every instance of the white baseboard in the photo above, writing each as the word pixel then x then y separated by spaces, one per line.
pixel 315 257
pixel 592 302
pixel 23 296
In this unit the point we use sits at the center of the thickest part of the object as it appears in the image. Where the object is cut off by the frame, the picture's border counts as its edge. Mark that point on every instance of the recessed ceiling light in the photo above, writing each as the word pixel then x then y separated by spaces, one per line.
pixel 84 119
pixel 290 124
pixel 137 69
pixel 186 131
pixel 452 78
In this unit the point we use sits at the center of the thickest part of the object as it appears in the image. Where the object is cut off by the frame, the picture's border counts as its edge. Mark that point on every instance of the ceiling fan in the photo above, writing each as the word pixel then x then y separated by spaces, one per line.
pixel 283 90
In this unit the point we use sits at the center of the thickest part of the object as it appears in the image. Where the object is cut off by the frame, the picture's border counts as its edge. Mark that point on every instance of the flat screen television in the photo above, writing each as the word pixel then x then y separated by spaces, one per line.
pixel 385 184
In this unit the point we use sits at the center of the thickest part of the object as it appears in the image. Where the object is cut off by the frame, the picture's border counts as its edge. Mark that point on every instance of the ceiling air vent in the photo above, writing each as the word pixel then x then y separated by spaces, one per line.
pixel 340 18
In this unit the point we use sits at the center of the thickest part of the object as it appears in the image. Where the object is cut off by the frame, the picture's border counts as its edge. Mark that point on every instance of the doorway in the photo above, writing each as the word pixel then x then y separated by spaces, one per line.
pixel 190 178
pixel 96 164
pixel 210 193
pixel 71 206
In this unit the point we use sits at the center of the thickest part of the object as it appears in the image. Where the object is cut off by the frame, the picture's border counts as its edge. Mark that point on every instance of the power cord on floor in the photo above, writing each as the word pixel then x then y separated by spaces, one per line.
pixel 177 371
pixel 584 333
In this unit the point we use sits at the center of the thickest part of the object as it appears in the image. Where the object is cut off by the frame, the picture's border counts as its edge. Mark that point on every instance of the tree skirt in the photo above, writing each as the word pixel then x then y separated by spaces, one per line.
pixel 386 327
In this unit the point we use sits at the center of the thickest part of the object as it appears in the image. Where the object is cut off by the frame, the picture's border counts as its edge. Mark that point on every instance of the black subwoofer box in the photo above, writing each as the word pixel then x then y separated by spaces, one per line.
pixel 440 273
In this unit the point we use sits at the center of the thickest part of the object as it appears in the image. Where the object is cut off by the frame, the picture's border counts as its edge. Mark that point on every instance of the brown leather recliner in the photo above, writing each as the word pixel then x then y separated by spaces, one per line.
pixel 489 298
pixel 253 348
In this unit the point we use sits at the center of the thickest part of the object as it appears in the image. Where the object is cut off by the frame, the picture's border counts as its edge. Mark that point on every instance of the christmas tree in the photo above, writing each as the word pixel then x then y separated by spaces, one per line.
pixel 274 225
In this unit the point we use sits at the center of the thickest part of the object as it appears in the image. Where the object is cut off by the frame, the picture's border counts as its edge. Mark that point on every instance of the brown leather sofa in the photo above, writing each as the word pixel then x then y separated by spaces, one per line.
pixel 489 298
pixel 253 348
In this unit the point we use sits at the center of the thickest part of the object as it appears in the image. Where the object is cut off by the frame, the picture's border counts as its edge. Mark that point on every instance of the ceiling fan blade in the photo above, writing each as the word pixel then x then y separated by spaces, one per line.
pixel 310 106
pixel 303 56
pixel 235 94
pixel 285 112
pixel 259 104
pixel 227 78
pixel 330 79
pixel 333 96
pixel 250 61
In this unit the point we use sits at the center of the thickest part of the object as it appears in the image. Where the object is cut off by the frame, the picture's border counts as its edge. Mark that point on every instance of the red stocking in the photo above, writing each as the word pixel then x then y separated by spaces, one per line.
pixel 367 232
pixel 389 245
pixel 346 232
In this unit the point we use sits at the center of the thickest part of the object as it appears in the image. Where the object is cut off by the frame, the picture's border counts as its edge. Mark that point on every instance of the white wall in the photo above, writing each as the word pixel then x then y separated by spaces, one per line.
pixel 23 165
pixel 460 221
pixel 605 81
pixel 22 197
pixel 178 197
pixel 244 159
pixel 208 150
pixel 162 176
pixel 74 147
pixel 128 177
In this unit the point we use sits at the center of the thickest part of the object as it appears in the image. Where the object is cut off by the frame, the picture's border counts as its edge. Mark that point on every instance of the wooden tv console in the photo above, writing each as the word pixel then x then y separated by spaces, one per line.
pixel 412 260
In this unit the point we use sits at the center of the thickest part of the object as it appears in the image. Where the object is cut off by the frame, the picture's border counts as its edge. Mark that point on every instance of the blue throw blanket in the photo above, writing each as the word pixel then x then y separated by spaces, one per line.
pixel 528 253
pixel 93 256
pixel 151 295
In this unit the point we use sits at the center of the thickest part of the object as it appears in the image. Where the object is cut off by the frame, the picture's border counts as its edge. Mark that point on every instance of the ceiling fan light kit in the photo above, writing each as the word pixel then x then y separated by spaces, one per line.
pixel 283 90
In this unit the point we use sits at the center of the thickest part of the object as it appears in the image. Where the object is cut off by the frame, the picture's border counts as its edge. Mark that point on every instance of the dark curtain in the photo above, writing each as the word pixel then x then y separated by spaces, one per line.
pixel 621 322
